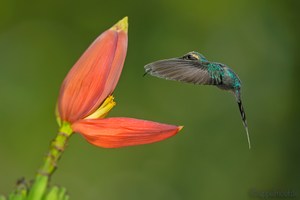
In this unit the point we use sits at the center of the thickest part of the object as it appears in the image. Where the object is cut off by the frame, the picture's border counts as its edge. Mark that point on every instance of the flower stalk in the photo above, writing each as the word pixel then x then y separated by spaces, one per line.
pixel 56 150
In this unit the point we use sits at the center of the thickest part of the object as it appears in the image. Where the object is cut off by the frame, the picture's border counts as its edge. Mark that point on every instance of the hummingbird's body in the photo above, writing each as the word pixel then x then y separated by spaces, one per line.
pixel 193 67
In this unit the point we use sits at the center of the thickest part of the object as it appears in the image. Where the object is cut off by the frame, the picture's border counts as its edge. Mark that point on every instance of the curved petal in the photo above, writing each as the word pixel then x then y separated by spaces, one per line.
pixel 120 131
pixel 117 65
pixel 93 76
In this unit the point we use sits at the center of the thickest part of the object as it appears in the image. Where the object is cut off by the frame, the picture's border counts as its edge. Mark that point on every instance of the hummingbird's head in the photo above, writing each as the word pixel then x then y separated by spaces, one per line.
pixel 193 55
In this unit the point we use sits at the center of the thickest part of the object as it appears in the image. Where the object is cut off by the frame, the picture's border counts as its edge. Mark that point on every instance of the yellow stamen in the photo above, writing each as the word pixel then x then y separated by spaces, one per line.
pixel 103 110
pixel 121 25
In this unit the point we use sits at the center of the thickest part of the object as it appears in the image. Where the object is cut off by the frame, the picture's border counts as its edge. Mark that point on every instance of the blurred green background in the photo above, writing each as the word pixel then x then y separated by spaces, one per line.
pixel 209 159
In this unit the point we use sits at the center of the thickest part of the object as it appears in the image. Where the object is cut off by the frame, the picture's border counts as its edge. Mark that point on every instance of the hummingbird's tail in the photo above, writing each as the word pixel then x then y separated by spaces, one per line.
pixel 243 115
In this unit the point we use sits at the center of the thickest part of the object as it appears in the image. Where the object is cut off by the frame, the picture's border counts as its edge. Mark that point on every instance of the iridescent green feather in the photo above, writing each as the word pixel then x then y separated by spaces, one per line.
pixel 216 72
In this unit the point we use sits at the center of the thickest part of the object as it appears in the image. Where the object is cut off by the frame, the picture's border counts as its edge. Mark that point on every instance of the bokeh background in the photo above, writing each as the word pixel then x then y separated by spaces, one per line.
pixel 209 159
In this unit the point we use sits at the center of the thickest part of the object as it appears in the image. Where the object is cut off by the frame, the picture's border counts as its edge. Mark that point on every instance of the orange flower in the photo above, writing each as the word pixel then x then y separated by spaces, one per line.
pixel 86 96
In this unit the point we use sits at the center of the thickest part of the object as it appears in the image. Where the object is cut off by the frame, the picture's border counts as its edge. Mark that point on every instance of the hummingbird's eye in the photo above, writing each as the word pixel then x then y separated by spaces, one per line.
pixel 191 56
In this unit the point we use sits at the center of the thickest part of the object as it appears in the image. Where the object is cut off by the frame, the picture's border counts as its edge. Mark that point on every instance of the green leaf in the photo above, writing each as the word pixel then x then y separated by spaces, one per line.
pixel 20 192
pixel 15 196
pixel 2 197
pixel 38 188
pixel 62 193
pixel 52 194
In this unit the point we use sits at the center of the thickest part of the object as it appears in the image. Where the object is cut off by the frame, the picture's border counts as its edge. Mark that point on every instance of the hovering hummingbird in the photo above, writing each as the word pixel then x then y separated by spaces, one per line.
pixel 194 68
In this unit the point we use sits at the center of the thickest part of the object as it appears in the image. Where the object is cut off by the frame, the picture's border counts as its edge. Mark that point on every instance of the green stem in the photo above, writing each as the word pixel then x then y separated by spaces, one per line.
pixel 57 148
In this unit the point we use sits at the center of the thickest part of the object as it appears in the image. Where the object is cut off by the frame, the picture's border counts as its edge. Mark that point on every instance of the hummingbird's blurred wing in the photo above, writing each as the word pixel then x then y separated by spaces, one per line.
pixel 178 69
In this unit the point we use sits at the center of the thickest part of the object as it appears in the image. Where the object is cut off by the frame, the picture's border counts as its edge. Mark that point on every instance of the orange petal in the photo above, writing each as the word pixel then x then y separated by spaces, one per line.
pixel 120 132
pixel 94 75
pixel 117 66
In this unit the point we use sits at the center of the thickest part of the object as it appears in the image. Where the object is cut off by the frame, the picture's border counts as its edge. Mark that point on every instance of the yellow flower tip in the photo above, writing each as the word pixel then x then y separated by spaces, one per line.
pixel 121 25
pixel 180 127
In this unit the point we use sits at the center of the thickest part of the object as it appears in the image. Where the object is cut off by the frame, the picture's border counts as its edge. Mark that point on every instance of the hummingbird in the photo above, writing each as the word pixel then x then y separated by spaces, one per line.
pixel 194 68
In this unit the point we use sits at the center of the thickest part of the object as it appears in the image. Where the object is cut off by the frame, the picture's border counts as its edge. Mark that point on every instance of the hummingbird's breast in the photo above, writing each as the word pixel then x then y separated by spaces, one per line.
pixel 230 80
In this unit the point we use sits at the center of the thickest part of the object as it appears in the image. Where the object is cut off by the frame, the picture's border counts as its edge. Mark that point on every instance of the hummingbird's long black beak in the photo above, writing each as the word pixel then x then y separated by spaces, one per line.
pixel 243 115
pixel 147 70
